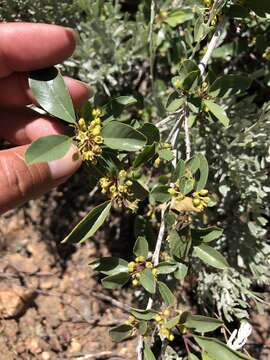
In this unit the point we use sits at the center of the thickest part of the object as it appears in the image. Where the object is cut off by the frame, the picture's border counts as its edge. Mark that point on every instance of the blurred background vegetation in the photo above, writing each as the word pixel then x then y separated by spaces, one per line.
pixel 113 56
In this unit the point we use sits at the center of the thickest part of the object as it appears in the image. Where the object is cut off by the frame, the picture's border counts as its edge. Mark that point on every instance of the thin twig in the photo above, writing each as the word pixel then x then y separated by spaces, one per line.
pixel 98 356
pixel 155 261
pixel 187 134
pixel 211 47
pixel 112 301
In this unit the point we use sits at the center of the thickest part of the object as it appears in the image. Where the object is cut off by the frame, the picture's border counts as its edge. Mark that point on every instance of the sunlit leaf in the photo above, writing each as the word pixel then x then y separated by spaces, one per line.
pixel 166 294
pixel 200 323
pixel 210 256
pixel 120 136
pixel 89 224
pixel 218 350
pixel 47 148
pixel 109 265
pixel 51 93
pixel 141 247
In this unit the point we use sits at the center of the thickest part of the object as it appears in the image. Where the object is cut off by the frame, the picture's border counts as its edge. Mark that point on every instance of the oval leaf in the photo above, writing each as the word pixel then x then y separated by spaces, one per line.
pixel 218 112
pixel 218 350
pixel 166 293
pixel 89 224
pixel 200 323
pixel 147 353
pixel 148 281
pixel 47 148
pixel 115 281
pixel 120 332
pixel 110 265
pixel 120 136
pixel 141 247
pixel 51 93
pixel 210 256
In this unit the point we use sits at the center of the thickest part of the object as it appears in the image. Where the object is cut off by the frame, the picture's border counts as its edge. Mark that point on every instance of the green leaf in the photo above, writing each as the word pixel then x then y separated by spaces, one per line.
pixel 193 164
pixel 173 322
pixel 89 224
pixel 125 100
pixel 120 136
pixel 186 185
pixel 218 350
pixel 143 314
pixel 181 272
pixel 178 16
pixel 166 293
pixel 51 93
pixel 151 132
pixel 147 352
pixel 120 332
pixel 148 281
pixel 146 155
pixel 205 356
pixel 192 357
pixel 200 323
pixel 109 265
pixel 229 85
pixel 166 154
pixel 179 171
pixel 166 267
pixel 206 234
pixel 204 171
pixel 142 327
pixel 218 112
pixel 174 102
pixel 48 148
pixel 160 194
pixel 177 245
pixel 210 256
pixel 115 281
pixel 141 247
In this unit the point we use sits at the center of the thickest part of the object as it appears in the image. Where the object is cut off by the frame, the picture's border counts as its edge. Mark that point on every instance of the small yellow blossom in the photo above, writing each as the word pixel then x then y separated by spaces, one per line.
pixel 88 136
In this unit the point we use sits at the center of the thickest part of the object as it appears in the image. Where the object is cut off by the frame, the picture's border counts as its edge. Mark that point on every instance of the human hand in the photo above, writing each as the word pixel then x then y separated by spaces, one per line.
pixel 25 47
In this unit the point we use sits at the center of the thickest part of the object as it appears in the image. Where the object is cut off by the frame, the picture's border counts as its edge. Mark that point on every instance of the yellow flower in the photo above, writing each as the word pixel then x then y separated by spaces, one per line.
pixel 96 112
pixel 122 173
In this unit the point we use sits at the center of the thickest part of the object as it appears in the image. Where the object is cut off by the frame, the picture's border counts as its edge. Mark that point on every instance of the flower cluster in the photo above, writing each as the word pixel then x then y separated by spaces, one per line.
pixel 136 267
pixel 200 199
pixel 162 318
pixel 118 189
pixel 88 136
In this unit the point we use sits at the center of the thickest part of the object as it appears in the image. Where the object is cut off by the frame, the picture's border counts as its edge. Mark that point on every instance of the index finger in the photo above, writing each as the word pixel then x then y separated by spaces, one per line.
pixel 29 46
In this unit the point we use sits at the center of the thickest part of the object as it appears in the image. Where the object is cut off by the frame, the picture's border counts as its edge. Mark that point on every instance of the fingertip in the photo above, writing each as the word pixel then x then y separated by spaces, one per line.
pixel 63 168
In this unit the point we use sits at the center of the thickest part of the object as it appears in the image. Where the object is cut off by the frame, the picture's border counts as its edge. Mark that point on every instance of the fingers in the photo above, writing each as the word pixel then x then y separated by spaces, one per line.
pixel 20 183
pixel 17 92
pixel 22 126
pixel 28 46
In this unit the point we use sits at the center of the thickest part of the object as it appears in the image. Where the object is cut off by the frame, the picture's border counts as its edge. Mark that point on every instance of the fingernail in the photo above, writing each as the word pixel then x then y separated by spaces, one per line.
pixel 75 33
pixel 66 166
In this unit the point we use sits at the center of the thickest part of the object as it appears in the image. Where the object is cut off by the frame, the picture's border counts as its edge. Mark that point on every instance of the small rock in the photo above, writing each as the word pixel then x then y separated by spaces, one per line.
pixel 13 301
pixel 45 355
pixel 32 344
pixel 22 263
pixel 75 346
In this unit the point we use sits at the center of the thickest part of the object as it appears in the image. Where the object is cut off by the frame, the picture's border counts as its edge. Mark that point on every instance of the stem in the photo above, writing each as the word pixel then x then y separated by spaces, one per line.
pixel 187 134
pixel 151 45
pixel 211 47
pixel 155 261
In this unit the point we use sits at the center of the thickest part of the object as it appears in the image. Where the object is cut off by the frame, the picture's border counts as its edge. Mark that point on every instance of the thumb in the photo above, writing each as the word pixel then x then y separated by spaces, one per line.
pixel 20 182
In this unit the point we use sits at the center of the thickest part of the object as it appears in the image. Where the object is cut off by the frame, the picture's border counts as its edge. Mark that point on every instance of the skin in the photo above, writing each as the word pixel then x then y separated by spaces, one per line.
pixel 25 47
